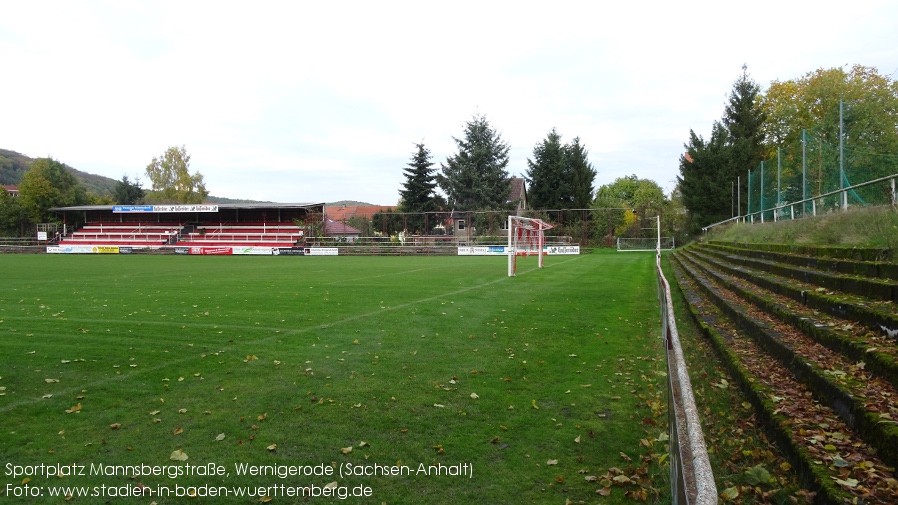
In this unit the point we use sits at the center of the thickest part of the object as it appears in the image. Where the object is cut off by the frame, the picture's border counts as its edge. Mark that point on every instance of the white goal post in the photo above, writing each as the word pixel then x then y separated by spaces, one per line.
pixel 525 238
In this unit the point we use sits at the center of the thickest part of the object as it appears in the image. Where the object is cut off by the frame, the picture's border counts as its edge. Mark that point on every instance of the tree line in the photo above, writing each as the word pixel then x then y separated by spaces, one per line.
pixel 476 177
pixel 713 180
pixel 710 184
pixel 48 183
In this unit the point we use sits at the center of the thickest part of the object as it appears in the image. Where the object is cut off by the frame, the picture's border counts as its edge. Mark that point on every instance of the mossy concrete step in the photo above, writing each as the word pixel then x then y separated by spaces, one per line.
pixel 793 434
pixel 856 341
pixel 835 252
pixel 872 269
pixel 857 285
pixel 879 315
pixel 844 400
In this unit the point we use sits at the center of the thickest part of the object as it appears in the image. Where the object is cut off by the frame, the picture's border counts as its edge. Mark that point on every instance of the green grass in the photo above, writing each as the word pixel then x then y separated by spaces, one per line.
pixel 426 360
pixel 859 226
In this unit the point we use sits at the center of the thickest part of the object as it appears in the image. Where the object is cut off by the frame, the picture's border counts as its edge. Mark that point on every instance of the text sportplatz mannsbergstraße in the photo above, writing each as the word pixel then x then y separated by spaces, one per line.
pixel 27 487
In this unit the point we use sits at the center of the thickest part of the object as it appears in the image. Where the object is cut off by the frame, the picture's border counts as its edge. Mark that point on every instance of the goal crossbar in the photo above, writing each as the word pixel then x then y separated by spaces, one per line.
pixel 526 237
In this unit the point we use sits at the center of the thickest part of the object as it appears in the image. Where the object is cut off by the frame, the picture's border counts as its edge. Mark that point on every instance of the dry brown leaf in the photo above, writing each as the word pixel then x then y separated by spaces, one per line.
pixel 115 426
pixel 177 431
pixel 178 455
pixel 76 408
pixel 346 450
pixel 272 447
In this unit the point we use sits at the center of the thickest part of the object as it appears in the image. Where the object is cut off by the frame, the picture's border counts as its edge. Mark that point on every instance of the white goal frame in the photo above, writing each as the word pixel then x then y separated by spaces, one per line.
pixel 526 237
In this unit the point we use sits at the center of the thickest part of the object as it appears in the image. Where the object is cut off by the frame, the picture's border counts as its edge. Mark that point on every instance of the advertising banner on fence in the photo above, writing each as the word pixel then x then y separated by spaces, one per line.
pixel 562 249
pixel 254 250
pixel 491 250
pixel 83 249
pixel 499 250
pixel 268 251
pixel 289 251
pixel 321 251
pixel 211 250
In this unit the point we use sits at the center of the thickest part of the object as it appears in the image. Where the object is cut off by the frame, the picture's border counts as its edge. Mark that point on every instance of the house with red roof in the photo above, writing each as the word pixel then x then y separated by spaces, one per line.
pixel 341 230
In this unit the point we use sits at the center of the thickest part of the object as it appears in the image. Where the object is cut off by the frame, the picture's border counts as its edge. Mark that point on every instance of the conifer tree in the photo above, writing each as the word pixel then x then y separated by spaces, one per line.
pixel 419 195
pixel 475 178
pixel 559 175
pixel 548 177
pixel 744 121
pixel 583 175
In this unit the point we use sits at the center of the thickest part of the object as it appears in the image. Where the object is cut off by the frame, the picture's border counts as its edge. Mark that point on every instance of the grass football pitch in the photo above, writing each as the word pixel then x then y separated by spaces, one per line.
pixel 182 379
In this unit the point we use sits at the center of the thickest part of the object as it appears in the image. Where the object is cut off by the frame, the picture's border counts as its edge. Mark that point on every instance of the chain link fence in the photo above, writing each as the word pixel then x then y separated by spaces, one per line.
pixel 814 176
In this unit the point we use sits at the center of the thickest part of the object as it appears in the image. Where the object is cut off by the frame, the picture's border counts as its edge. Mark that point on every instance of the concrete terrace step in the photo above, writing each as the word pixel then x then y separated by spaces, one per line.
pixel 799 347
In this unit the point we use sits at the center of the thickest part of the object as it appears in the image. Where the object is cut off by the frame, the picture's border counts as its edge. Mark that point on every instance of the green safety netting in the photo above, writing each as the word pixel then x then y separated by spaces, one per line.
pixel 811 168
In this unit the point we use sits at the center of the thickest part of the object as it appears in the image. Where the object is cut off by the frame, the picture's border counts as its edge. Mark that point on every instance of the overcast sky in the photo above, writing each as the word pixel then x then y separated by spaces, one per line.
pixel 300 101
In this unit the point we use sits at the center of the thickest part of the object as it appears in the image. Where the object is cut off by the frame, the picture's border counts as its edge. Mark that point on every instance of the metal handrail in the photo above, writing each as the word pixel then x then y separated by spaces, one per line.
pixel 691 477
pixel 750 217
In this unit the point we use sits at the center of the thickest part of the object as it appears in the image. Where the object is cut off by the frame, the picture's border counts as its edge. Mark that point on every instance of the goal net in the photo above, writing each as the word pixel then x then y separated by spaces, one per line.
pixel 645 244
pixel 525 238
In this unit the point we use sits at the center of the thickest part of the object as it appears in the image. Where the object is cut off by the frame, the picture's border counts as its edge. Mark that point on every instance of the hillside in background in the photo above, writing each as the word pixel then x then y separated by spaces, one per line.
pixel 13 166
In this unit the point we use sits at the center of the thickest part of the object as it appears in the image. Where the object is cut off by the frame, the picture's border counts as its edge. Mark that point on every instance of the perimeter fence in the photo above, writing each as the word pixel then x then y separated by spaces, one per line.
pixel 584 227
pixel 814 176
pixel 691 477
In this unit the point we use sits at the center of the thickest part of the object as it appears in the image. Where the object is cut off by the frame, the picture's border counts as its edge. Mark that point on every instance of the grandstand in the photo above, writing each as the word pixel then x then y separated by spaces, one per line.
pixel 208 225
